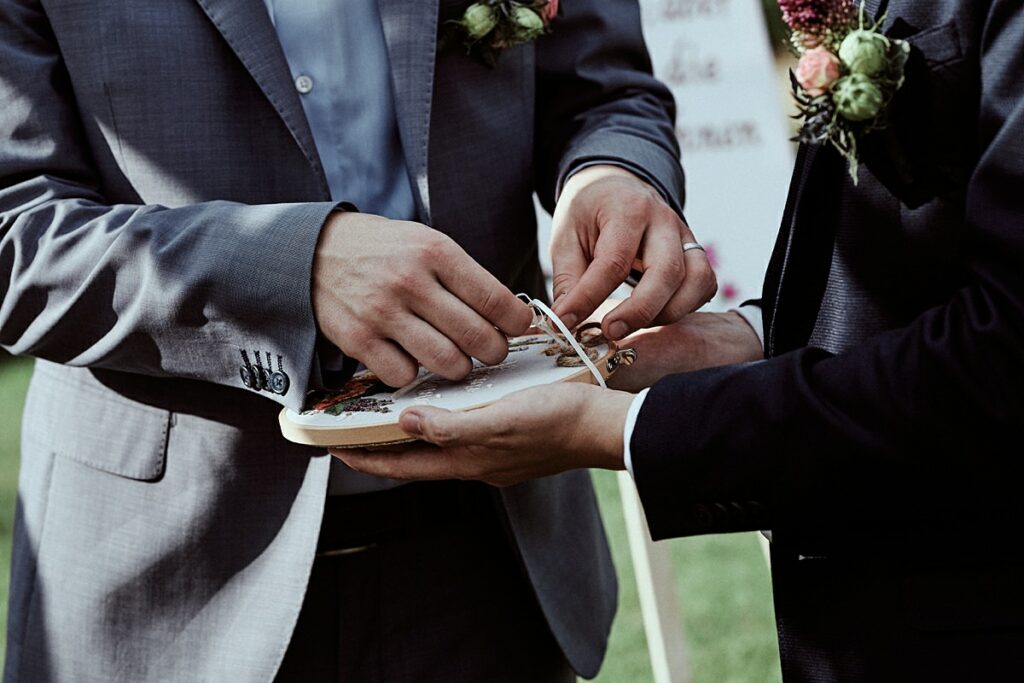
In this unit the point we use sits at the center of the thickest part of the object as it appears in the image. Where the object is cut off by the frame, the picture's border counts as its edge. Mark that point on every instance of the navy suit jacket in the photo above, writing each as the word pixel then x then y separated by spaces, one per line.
pixel 890 472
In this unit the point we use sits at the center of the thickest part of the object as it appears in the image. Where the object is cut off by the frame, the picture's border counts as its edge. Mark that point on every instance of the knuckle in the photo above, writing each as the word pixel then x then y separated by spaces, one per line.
pixel 484 343
pixel 437 250
pixel 471 339
pixel 355 337
pixel 676 310
pixel 402 376
pixel 406 282
pixel 450 363
pixel 587 300
pixel 392 368
pixel 643 312
pixel 440 432
pixel 708 281
pixel 674 268
pixel 490 303
pixel 562 283
pixel 378 308
pixel 617 264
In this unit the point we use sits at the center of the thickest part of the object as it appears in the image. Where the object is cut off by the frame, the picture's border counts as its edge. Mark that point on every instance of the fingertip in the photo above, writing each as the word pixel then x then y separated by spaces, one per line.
pixel 617 329
pixel 569 319
pixel 523 321
pixel 411 422
pixel 567 310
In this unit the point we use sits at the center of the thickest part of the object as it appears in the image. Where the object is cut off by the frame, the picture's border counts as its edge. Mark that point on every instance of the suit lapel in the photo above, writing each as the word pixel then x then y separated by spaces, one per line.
pixel 410 30
pixel 796 280
pixel 247 29
pixel 779 267
pixel 871 8
pixel 792 296
pixel 875 10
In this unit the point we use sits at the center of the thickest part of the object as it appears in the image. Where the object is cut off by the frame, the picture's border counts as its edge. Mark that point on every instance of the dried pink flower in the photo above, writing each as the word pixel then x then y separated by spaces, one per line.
pixel 551 11
pixel 817 70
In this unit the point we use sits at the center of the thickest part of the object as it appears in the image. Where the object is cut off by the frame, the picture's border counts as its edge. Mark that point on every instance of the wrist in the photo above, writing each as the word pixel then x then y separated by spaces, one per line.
pixel 746 341
pixel 602 420
pixel 597 172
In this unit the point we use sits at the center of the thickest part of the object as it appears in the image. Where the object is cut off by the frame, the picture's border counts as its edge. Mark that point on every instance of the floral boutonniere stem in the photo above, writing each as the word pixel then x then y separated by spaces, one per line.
pixel 489 26
pixel 847 74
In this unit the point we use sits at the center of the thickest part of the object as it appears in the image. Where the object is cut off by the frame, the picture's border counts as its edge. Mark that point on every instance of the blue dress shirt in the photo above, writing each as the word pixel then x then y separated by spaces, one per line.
pixel 339 62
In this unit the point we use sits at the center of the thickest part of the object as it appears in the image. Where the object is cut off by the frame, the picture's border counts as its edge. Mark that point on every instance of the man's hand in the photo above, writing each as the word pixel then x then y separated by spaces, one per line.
pixel 608 221
pixel 532 433
pixel 396 295
pixel 698 341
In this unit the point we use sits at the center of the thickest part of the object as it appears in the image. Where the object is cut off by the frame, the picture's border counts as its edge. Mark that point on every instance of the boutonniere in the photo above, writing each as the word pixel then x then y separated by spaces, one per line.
pixel 489 26
pixel 847 75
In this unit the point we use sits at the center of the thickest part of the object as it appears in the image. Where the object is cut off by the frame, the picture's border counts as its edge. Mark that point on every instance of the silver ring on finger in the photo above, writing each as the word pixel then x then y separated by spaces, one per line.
pixel 687 246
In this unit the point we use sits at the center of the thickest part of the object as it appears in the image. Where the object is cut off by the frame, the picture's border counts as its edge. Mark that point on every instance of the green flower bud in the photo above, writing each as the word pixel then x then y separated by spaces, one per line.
pixel 479 20
pixel 864 52
pixel 529 24
pixel 857 97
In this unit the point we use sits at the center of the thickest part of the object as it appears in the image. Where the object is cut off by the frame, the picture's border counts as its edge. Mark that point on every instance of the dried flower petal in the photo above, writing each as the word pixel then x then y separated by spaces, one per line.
pixel 813 20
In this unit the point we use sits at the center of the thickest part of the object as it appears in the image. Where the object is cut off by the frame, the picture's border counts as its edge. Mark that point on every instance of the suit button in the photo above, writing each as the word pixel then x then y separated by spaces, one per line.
pixel 703 515
pixel 248 377
pixel 279 383
pixel 304 84
pixel 261 379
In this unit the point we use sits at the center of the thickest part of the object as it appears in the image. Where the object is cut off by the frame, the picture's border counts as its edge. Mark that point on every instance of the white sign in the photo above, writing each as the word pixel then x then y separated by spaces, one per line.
pixel 716 58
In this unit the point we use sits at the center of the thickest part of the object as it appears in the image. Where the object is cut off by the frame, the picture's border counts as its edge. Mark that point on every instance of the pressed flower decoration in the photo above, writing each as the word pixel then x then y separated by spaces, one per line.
pixel 847 74
pixel 489 26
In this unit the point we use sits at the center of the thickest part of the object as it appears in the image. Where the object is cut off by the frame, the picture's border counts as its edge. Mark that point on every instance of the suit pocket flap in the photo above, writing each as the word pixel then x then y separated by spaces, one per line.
pixel 78 419
pixel 940 45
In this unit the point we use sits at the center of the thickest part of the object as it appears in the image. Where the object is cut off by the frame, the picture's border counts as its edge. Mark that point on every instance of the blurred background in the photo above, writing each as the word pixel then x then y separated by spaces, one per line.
pixel 731 88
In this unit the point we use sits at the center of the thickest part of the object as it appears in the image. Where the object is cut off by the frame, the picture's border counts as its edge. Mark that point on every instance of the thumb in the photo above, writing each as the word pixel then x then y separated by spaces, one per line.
pixel 434 425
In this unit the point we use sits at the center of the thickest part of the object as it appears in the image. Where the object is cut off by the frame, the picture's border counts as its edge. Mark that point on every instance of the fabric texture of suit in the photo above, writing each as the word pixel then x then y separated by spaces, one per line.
pixel 880 441
pixel 160 206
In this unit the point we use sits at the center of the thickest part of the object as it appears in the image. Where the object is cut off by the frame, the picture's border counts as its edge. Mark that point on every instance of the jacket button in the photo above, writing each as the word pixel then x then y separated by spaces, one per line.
pixel 703 515
pixel 279 383
pixel 248 377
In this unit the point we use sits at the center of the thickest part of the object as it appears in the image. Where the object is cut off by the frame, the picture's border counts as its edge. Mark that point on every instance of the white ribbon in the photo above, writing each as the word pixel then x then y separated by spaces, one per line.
pixel 545 311
pixel 540 311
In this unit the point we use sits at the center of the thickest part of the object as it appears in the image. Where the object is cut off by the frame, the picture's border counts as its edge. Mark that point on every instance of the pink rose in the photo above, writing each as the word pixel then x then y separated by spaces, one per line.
pixel 817 70
pixel 551 10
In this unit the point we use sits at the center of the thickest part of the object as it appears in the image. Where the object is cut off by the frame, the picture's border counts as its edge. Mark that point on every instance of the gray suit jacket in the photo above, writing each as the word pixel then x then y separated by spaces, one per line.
pixel 160 201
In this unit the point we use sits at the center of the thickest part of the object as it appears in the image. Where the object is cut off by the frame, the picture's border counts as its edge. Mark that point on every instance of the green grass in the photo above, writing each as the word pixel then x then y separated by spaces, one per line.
pixel 14 374
pixel 724 594
pixel 721 581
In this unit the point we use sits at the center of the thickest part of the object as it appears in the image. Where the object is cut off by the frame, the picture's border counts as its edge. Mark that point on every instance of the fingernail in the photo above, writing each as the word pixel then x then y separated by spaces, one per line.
pixel 570 320
pixel 411 424
pixel 618 330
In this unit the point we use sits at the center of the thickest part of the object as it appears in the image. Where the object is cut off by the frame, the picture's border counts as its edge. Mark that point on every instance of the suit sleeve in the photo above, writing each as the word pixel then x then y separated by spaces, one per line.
pixel 597 101
pixel 919 423
pixel 137 288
